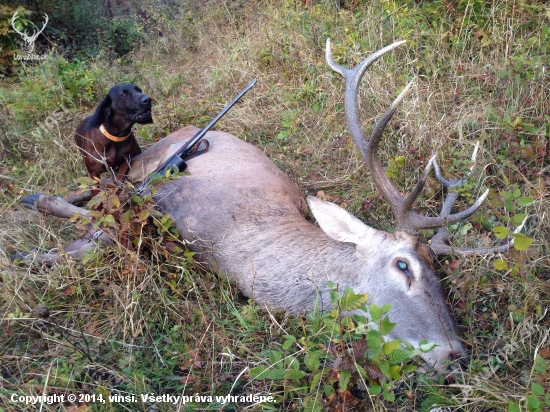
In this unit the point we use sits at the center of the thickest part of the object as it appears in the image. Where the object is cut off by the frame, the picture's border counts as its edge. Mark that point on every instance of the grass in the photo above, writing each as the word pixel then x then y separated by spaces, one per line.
pixel 158 322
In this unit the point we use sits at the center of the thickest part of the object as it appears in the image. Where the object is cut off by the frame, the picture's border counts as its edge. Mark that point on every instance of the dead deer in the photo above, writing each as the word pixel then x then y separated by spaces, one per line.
pixel 247 219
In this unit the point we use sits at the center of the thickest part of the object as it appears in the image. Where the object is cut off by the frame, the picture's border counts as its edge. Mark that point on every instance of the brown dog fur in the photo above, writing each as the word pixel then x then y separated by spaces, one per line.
pixel 123 106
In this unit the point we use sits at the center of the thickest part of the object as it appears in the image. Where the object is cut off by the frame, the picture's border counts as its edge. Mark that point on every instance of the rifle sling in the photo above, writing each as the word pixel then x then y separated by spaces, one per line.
pixel 194 152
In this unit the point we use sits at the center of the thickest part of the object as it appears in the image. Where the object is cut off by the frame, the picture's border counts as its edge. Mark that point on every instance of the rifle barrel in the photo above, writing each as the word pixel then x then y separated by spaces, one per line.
pixel 205 130
pixel 179 157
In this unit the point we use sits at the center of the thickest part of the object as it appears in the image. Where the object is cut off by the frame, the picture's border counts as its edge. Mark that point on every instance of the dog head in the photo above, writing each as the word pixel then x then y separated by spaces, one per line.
pixel 124 105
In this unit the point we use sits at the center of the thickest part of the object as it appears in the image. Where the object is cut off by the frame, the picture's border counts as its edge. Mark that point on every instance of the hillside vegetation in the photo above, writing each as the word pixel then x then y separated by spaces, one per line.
pixel 145 318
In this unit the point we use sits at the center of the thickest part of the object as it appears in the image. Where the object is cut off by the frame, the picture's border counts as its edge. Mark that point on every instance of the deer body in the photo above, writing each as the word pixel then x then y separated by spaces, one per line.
pixel 247 219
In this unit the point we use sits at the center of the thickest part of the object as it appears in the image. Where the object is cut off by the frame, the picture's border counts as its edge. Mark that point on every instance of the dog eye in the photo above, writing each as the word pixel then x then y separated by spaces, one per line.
pixel 124 94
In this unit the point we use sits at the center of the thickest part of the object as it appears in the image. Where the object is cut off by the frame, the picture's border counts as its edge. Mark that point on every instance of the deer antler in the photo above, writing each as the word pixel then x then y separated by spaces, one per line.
pixel 29 39
pixel 407 219
pixel 440 243
pixel 13 19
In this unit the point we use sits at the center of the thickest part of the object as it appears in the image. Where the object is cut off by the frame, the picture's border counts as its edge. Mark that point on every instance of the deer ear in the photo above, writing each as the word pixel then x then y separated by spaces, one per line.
pixel 102 112
pixel 339 224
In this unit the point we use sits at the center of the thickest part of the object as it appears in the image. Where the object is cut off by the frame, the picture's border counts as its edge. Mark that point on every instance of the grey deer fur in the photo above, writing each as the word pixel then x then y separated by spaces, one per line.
pixel 247 219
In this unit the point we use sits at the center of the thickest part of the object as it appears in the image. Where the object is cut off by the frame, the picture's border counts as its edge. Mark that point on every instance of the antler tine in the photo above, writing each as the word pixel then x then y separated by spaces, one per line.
pixel 446 183
pixel 357 74
pixel 369 150
pixel 409 200
pixel 44 24
pixel 425 222
pixel 13 24
pixel 37 32
pixel 445 217
pixel 440 243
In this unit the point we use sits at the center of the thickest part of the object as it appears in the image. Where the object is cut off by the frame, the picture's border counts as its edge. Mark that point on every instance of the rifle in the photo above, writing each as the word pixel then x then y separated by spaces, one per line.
pixel 178 159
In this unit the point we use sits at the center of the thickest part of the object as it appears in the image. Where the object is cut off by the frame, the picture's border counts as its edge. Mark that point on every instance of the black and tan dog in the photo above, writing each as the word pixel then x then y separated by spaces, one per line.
pixel 105 138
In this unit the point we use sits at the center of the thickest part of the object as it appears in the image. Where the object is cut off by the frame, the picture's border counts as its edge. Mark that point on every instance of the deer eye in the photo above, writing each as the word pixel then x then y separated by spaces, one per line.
pixel 405 269
pixel 402 265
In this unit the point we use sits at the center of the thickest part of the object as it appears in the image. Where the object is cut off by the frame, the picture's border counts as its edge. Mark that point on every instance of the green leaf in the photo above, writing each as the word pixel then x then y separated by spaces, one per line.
pixel 315 381
pixel 518 218
pixel 313 405
pixel 395 372
pixel 375 390
pixel 533 403
pixel 390 346
pixel 155 178
pixel 400 161
pixel 275 374
pixel 109 219
pixel 524 201
pixel 385 367
pixel 359 319
pixel 352 301
pixel 385 308
pixel 389 396
pixel 500 264
pixel 144 215
pixel 361 371
pixel 292 362
pixel 258 372
pixel 408 369
pixel 517 193
pixel 521 242
pixel 126 217
pixel 427 346
pixel 400 355
pixel 328 389
pixel 537 389
pixel 137 200
pixel 115 201
pixel 312 360
pixel 506 195
pixel 289 341
pixel 386 326
pixel 500 232
pixel 85 180
pixel 509 205
pixel 294 374
pixel 345 376
pixel 540 365
pixel 334 297
pixel 331 285
pixel 374 339
pixel 513 407
pixel 375 312
pixel 275 357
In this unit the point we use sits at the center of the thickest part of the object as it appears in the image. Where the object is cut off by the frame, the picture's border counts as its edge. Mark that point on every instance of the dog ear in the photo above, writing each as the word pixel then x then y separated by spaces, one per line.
pixel 102 113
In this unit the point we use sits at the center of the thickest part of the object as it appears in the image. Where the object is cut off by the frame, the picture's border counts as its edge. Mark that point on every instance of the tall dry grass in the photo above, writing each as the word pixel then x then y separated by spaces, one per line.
pixel 130 323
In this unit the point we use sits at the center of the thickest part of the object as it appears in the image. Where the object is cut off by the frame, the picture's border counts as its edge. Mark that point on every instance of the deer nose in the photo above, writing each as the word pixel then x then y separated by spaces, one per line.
pixel 145 100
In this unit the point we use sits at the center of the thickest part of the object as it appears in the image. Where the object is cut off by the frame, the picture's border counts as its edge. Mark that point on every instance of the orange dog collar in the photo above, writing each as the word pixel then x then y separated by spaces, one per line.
pixel 111 137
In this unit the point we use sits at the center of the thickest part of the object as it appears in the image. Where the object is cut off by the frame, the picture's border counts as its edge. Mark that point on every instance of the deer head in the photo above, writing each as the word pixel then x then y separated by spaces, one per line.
pixel 407 266
pixel 29 39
